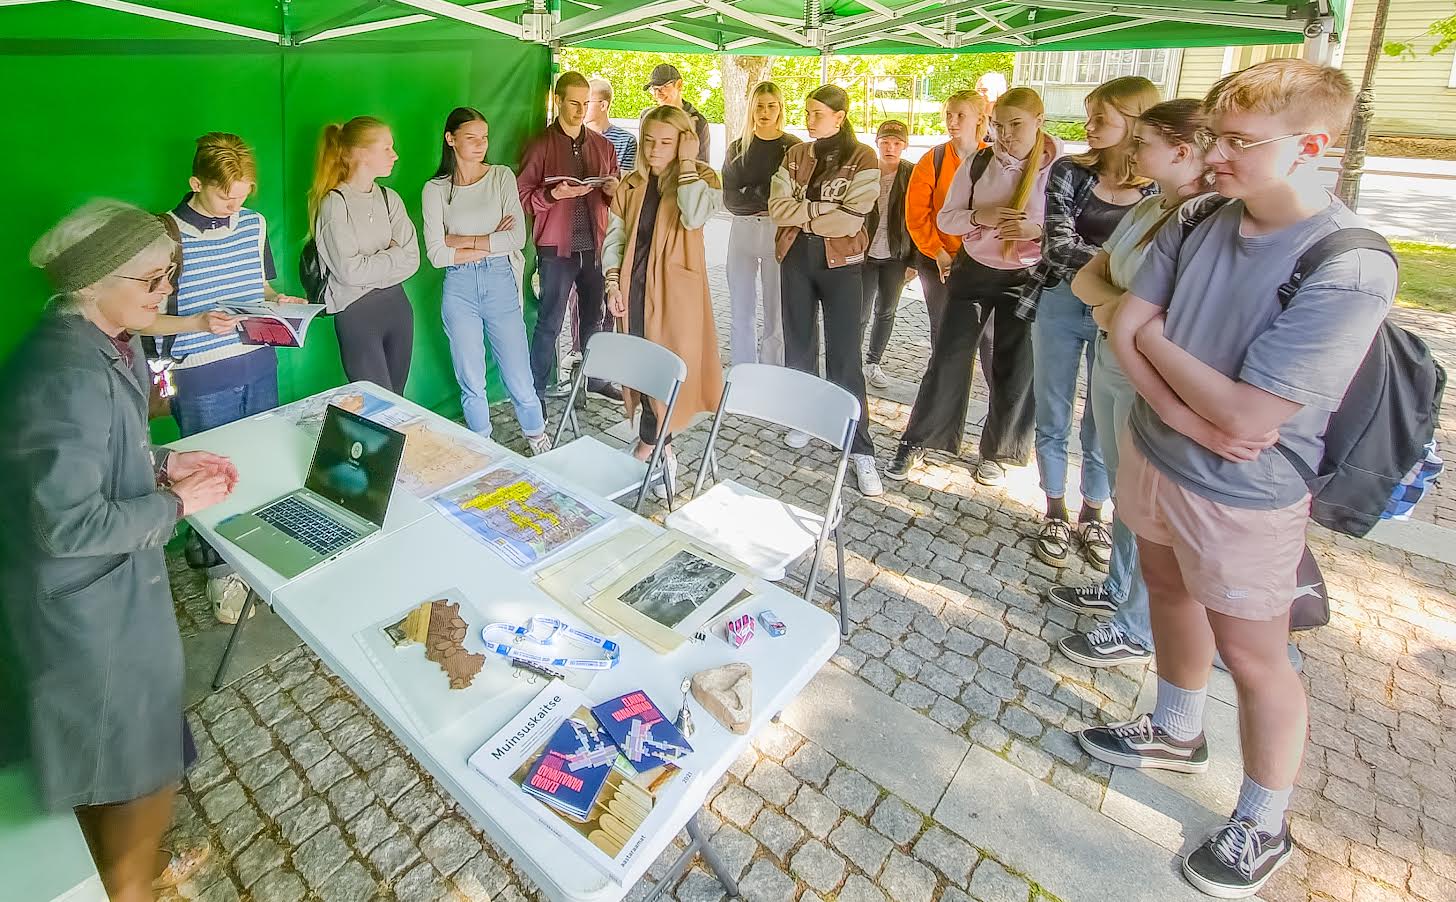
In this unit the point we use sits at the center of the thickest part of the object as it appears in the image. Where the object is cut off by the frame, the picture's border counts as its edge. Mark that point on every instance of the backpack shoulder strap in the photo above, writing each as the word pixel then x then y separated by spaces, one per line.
pixel 1334 244
pixel 1196 211
pixel 979 162
pixel 937 159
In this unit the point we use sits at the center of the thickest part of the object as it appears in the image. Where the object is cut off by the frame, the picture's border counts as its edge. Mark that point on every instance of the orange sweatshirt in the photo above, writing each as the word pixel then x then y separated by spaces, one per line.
pixel 923 199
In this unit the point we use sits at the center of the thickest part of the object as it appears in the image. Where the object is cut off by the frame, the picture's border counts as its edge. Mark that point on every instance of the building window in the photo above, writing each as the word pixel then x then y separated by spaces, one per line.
pixel 1093 67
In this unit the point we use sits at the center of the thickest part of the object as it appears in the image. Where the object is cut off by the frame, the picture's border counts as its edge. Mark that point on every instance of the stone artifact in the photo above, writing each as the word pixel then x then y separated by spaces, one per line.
pixel 726 693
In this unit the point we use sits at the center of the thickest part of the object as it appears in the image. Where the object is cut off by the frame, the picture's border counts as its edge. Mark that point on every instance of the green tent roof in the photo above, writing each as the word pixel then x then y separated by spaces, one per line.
pixel 687 26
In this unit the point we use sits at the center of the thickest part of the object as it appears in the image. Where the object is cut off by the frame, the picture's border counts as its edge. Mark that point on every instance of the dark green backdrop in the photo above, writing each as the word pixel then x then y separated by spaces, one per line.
pixel 117 117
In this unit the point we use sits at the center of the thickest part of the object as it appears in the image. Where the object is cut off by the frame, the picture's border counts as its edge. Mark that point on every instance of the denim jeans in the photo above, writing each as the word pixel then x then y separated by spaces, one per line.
pixel 1112 397
pixel 482 302
pixel 753 268
pixel 215 394
pixel 1061 338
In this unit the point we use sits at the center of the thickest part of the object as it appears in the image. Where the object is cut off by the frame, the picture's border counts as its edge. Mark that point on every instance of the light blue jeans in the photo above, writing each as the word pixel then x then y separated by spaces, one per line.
pixel 1061 338
pixel 482 302
pixel 1112 398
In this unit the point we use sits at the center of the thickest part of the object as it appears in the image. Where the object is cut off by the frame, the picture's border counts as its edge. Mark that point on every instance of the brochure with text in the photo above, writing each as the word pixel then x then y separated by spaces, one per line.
pixel 278 325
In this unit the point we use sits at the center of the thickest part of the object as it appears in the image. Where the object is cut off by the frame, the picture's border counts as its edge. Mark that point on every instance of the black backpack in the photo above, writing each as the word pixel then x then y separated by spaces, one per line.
pixel 979 162
pixel 312 274
pixel 1389 412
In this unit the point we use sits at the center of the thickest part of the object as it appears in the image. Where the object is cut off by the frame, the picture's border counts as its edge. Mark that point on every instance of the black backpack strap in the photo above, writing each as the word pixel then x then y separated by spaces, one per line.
pixel 1334 244
pixel 979 162
pixel 937 159
pixel 1196 211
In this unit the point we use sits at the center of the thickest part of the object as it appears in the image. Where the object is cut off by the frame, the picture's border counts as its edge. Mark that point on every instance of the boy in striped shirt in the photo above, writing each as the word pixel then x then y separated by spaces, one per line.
pixel 224 258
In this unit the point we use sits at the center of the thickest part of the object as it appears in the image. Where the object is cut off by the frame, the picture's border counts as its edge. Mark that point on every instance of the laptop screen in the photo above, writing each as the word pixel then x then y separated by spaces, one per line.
pixel 355 464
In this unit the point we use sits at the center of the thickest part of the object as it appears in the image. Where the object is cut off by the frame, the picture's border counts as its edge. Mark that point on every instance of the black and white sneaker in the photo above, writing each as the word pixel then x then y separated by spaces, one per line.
pixel 907 458
pixel 1106 646
pixel 1138 743
pixel 1237 861
pixel 1094 600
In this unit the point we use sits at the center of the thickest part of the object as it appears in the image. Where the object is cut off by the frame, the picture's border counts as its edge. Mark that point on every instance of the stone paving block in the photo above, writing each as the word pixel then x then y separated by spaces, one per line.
pixel 733 846
pixel 223 800
pixel 480 879
pixel 896 820
pixel 321 855
pixel 1030 759
pixel 232 724
pixel 371 827
pixel 815 811
pixel 303 820
pixel 207 772
pixel 993 883
pixel 279 886
pixel 419 809
pixel 238 828
pixel 393 855
pixel 737 805
pixel 422 884
pixel 221 890
pixel 350 883
pixel 1020 721
pixel 914 695
pixel 262 770
pixel 811 764
pixel 778 834
pixel 817 866
pixel 392 779
pixel 858 889
pixel 864 847
pixel 697 885
pixel 980 702
pixel 907 880
pixel 773 782
pixel 329 771
pixel 262 856
pixel 765 882
pixel 947 853
pixel 879 675
pixel 850 790
pixel 349 796
pixel 247 745
pixel 282 793
pixel 777 740
pixel 449 845
pixel 309 749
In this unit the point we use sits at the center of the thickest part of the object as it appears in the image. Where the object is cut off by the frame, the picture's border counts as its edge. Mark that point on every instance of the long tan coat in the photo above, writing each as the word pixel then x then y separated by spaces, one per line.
pixel 678 309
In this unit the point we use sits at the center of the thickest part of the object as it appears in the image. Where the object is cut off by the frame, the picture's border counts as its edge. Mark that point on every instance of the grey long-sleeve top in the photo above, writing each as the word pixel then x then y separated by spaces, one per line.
pixel 366 241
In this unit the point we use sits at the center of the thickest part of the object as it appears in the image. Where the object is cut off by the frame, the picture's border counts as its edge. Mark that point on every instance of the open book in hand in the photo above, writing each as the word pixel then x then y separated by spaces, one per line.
pixel 595 181
pixel 279 325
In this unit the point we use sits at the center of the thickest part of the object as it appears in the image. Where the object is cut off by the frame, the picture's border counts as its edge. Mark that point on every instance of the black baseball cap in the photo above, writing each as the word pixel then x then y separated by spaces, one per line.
pixel 663 73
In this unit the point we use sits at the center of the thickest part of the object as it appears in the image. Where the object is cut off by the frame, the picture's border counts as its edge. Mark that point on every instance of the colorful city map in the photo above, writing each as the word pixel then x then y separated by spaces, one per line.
pixel 520 515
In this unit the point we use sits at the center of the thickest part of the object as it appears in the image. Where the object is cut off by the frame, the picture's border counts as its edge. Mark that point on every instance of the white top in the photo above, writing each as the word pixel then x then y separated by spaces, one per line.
pixel 1124 256
pixel 474 210
pixel 366 241
pixel 880 241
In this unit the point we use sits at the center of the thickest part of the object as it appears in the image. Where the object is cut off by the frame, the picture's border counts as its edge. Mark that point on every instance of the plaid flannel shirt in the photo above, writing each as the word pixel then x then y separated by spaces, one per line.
pixel 1063 250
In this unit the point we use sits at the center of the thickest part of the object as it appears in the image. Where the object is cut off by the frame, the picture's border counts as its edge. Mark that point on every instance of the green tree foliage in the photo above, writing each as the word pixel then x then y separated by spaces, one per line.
pixel 1443 30
pixel 880 86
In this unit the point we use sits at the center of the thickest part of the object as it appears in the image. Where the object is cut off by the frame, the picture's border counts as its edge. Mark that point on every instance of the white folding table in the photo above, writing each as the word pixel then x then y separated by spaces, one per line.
pixel 328 605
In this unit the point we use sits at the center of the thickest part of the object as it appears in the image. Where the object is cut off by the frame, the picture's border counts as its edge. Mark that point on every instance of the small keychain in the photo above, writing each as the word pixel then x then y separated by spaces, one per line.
pixel 684 721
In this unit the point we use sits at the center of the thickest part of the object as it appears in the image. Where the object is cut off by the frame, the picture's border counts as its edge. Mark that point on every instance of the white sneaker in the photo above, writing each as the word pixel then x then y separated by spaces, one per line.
pixel 539 444
pixel 667 473
pixel 796 439
pixel 227 595
pixel 876 375
pixel 866 475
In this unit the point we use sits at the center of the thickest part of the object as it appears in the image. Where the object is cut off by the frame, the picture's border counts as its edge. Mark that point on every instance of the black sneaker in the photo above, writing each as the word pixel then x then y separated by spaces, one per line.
pixel 1237 861
pixel 907 458
pixel 990 473
pixel 604 389
pixel 1106 646
pixel 1094 600
pixel 1138 743
pixel 1054 542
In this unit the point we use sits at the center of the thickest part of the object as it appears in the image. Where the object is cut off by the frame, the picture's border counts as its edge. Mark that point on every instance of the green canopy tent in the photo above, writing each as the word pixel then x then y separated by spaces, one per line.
pixel 107 96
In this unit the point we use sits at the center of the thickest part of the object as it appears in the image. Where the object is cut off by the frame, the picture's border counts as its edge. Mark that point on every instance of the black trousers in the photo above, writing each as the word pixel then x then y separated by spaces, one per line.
pixel 935 294
pixel 809 288
pixel 376 338
pixel 976 293
pixel 558 276
pixel 883 281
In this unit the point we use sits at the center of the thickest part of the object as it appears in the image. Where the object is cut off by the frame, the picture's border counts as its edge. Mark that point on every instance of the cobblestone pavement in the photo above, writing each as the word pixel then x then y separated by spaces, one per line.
pixel 304 795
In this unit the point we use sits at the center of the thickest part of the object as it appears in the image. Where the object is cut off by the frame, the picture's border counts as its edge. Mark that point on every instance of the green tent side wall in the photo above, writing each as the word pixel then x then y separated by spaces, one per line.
pixel 118 118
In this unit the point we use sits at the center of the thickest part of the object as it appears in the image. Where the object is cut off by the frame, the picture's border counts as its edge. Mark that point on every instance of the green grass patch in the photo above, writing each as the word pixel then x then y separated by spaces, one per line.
pixel 1427 276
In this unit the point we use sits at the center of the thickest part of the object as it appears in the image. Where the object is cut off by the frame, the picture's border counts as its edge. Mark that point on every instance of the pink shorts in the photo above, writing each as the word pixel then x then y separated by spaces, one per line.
pixel 1239 562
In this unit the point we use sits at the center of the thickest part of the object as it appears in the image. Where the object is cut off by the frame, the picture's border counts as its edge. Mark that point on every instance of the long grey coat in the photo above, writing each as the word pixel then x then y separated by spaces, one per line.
pixel 83 583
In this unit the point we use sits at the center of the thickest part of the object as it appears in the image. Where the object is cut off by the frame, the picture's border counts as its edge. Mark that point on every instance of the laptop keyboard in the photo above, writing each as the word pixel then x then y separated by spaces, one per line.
pixel 308 525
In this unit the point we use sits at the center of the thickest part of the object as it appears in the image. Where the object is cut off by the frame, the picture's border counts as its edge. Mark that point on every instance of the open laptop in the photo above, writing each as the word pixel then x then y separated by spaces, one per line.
pixel 343 499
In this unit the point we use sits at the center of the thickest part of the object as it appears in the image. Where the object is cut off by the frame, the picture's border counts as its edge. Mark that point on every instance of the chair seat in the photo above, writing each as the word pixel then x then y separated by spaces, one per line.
pixel 593 465
pixel 764 533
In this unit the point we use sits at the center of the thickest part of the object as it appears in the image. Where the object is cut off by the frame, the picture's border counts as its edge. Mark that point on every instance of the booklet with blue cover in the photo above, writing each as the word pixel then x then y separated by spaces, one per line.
pixel 644 734
pixel 574 766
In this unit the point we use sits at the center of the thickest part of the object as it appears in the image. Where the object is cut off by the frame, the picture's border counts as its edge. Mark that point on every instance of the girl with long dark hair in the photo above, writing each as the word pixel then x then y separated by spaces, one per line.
pixel 819 199
pixel 475 230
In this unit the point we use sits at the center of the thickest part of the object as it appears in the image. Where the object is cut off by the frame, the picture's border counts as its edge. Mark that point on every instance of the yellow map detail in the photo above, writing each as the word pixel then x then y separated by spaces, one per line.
pixel 517 494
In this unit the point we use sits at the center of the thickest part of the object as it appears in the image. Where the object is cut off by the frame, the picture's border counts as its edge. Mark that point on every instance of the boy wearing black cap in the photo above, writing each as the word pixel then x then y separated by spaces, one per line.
pixel 666 87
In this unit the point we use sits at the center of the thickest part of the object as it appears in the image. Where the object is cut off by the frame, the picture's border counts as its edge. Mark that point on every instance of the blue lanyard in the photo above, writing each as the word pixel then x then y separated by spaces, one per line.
pixel 544 631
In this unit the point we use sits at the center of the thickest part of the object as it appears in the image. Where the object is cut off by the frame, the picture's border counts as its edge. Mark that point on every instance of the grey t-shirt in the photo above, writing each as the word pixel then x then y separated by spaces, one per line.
pixel 1223 309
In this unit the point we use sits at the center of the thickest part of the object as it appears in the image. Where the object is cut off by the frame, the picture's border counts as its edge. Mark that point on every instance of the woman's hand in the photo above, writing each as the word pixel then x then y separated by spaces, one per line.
pixel 1018 230
pixel 615 302
pixel 181 464
pixel 215 321
pixel 687 146
pixel 200 491
pixel 609 187
pixel 507 223
pixel 943 261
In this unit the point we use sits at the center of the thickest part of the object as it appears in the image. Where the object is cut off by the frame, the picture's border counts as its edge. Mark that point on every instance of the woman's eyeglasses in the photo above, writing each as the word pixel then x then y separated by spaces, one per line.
pixel 155 282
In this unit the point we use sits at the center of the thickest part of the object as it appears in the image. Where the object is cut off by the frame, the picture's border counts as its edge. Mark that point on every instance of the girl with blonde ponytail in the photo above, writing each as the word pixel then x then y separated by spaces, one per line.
pixel 367 244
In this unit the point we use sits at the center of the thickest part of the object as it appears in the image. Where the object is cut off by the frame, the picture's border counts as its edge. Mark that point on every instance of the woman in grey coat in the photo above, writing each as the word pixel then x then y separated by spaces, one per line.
pixel 89 504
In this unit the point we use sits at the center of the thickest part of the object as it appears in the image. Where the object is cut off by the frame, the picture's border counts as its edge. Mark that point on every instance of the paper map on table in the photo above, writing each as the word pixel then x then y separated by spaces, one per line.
pixel 432 460
pixel 308 413
pixel 520 515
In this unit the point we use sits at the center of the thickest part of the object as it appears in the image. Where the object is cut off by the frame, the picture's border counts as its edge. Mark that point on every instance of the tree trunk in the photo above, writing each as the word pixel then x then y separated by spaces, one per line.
pixel 740 74
pixel 1353 164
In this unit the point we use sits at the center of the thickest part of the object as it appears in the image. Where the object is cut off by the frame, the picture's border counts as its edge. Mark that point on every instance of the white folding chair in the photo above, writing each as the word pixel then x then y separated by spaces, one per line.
pixel 631 362
pixel 766 533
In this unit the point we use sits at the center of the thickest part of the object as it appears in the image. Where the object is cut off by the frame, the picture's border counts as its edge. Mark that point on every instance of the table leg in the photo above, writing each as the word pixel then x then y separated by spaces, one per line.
pixel 227 653
pixel 720 871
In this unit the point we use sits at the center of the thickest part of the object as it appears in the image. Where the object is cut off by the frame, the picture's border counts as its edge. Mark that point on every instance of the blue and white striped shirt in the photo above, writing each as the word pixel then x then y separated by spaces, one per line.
pixel 221 263
pixel 624 144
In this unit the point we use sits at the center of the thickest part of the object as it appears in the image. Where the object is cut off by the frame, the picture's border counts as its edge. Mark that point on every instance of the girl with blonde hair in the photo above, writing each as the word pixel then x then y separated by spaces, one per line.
pixel 753 270
pixel 1087 195
pixel 367 244
pixel 657 273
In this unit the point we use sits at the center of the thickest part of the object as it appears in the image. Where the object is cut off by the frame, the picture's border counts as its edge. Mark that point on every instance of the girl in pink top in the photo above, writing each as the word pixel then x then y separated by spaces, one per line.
pixel 996 203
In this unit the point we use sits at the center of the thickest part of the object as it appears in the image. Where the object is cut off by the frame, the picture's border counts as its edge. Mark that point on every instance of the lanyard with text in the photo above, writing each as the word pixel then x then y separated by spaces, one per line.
pixel 544 631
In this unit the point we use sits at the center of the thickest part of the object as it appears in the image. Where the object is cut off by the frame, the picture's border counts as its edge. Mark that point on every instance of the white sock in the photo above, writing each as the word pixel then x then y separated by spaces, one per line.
pixel 1264 807
pixel 1179 711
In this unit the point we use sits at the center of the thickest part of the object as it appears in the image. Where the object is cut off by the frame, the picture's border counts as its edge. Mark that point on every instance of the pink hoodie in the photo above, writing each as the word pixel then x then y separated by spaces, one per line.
pixel 994 189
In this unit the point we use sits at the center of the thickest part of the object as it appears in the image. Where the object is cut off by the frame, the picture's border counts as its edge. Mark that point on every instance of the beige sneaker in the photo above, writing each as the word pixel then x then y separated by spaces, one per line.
pixel 228 594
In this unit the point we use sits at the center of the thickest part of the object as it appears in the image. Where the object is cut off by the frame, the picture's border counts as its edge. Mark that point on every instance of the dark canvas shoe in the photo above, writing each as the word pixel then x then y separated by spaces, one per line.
pixel 907 458
pixel 1237 861
pixel 1094 600
pixel 1054 542
pixel 604 389
pixel 1106 646
pixel 1138 743
pixel 1096 544
pixel 990 473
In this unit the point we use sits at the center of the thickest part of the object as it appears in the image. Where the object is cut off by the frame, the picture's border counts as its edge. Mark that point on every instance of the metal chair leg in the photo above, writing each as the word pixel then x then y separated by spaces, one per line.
pixel 813 580
pixel 227 653
pixel 843 586
pixel 720 871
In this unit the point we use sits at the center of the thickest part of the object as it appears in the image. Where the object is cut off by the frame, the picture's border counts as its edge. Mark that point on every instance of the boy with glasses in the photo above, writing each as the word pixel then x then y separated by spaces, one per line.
pixel 666 87
pixel 1223 373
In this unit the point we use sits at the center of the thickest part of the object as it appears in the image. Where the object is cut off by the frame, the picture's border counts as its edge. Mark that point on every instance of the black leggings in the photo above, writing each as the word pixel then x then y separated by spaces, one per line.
pixel 376 338
pixel 883 282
